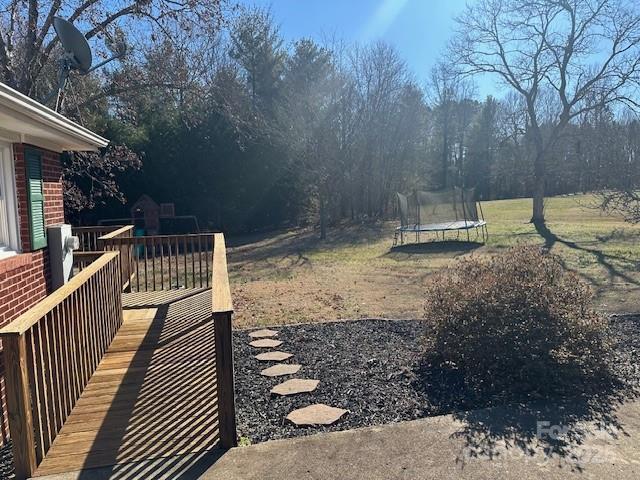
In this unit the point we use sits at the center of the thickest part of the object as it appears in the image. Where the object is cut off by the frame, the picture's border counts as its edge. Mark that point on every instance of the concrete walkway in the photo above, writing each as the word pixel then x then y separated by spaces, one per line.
pixel 482 445
pixel 442 448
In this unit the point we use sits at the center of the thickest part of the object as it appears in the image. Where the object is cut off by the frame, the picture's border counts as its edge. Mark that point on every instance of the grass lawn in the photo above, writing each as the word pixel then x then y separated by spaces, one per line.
pixel 291 277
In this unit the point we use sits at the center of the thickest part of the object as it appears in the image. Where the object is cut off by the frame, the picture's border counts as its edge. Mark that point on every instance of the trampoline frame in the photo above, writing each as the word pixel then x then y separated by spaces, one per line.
pixel 480 225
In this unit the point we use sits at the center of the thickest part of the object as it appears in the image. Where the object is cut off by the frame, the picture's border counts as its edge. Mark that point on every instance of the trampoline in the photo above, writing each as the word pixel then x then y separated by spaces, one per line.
pixel 450 210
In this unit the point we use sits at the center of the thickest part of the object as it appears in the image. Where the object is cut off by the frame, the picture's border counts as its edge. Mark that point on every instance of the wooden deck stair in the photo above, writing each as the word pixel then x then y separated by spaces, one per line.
pixel 153 394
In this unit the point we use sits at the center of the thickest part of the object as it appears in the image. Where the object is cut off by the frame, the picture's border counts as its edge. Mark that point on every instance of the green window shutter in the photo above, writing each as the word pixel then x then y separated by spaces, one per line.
pixel 35 190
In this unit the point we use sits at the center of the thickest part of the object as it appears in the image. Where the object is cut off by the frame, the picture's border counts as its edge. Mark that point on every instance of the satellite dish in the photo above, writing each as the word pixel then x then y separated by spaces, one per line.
pixel 77 56
pixel 75 45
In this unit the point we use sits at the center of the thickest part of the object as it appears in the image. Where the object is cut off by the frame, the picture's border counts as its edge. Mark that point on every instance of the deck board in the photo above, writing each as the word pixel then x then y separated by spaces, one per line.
pixel 153 394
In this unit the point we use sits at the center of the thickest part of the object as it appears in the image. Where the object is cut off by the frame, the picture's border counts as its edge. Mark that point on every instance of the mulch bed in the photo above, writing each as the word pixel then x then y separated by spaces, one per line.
pixel 364 366
pixel 372 368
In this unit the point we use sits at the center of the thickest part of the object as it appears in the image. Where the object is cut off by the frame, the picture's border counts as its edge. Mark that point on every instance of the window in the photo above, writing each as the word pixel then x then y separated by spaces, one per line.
pixel 9 242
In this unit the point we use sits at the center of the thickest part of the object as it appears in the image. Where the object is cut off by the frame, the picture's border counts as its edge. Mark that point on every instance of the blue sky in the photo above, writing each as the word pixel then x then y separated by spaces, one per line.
pixel 419 29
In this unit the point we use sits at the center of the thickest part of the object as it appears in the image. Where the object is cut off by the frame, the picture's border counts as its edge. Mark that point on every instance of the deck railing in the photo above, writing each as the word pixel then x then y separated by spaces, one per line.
pixel 50 353
pixel 82 260
pixel 88 236
pixel 105 242
pixel 163 262
pixel 222 309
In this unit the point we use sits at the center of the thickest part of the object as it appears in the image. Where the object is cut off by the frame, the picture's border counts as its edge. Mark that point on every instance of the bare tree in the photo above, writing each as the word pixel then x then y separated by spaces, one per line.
pixel 564 50
pixel 443 87
pixel 27 40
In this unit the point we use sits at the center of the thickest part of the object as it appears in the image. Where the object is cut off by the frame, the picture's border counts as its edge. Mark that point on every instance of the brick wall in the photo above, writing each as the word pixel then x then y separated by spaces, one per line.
pixel 25 278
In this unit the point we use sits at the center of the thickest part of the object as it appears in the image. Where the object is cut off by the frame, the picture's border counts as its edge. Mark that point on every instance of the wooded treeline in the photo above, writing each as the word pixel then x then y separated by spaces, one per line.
pixel 308 133
pixel 247 131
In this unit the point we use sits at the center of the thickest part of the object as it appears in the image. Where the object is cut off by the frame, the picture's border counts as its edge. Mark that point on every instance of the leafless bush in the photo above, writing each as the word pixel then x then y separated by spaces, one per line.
pixel 517 323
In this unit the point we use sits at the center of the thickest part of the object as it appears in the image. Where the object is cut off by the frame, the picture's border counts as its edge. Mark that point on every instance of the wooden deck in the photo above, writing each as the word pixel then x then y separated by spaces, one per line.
pixel 153 394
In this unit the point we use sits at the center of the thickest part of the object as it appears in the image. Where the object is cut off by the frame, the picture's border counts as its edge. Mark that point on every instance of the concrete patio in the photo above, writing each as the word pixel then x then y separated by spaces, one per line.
pixel 433 448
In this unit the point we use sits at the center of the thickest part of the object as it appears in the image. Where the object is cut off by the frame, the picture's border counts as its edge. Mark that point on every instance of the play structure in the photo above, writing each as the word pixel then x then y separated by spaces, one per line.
pixel 450 210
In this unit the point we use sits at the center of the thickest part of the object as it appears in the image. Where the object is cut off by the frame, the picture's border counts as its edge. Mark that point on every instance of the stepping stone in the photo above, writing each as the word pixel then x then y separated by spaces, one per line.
pixel 280 369
pixel 263 333
pixel 265 343
pixel 294 386
pixel 317 414
pixel 273 356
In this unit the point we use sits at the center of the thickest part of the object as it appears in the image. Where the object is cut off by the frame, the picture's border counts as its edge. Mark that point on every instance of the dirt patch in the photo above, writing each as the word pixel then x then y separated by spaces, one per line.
pixel 333 280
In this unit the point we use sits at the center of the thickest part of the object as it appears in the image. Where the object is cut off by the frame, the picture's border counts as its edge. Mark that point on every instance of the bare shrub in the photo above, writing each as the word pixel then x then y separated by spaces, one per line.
pixel 517 322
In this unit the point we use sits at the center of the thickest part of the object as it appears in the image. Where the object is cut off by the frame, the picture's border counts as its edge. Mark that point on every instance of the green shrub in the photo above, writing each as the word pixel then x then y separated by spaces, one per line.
pixel 517 322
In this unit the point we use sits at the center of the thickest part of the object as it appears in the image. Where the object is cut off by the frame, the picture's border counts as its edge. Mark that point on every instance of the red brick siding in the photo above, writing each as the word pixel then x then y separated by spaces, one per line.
pixel 25 278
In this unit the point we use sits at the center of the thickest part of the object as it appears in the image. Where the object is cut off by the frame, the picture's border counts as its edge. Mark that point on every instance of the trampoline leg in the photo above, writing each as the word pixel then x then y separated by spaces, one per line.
pixel 468 237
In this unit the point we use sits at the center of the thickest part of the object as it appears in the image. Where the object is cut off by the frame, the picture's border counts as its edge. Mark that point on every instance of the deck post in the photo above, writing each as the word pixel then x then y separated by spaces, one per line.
pixel 19 405
pixel 222 310
pixel 224 378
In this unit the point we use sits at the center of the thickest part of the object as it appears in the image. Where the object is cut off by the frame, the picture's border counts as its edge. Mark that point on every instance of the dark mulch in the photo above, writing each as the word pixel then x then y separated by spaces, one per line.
pixel 364 366
pixel 625 361
pixel 374 369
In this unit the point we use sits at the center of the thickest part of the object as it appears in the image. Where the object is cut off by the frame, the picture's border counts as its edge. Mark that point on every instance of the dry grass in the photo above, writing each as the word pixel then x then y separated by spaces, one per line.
pixel 290 277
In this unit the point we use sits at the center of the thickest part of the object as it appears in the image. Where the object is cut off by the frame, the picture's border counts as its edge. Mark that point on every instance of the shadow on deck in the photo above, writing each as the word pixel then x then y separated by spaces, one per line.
pixel 150 409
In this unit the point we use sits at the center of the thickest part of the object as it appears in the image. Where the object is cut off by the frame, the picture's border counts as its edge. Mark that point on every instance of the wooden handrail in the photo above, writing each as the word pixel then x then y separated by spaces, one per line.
pixel 222 311
pixel 103 229
pixel 89 235
pixel 51 352
pixel 126 257
pixel 25 321
pixel 161 237
pixel 221 293
pixel 125 231
pixel 174 235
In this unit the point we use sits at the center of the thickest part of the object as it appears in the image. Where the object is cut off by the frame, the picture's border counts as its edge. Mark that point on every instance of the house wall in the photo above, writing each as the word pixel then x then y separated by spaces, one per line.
pixel 25 278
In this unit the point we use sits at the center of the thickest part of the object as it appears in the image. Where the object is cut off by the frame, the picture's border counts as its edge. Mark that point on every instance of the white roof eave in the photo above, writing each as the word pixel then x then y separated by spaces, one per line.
pixel 25 120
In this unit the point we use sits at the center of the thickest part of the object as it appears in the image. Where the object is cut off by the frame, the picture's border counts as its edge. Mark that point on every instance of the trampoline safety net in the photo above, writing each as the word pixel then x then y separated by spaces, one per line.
pixel 439 211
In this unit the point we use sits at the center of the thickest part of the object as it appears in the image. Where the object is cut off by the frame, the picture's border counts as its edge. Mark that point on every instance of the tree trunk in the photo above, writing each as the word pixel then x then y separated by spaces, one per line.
pixel 445 156
pixel 538 187
pixel 323 217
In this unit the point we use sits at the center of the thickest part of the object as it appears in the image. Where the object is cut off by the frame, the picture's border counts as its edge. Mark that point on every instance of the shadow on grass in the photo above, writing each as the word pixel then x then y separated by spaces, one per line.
pixel 282 253
pixel 447 246
pixel 604 259
pixel 300 241
pixel 554 421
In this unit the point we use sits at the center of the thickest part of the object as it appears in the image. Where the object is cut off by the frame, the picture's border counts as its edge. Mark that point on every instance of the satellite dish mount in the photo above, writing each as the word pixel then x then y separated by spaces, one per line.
pixel 77 56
